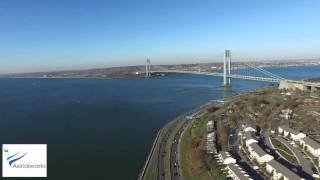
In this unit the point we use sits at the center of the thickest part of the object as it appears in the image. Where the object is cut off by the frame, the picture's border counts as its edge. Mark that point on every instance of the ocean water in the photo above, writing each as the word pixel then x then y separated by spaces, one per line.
pixel 103 128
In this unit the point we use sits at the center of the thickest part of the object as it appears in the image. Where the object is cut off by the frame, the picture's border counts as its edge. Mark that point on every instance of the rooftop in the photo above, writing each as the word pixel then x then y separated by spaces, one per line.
pixel 237 172
pixel 292 131
pixel 249 128
pixel 256 148
pixel 311 142
pixel 211 135
pixel 210 122
pixel 283 170
pixel 248 135
pixel 224 155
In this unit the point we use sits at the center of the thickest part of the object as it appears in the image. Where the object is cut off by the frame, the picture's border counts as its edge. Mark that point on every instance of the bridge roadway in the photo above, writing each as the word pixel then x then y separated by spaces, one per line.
pixel 238 76
pixel 221 75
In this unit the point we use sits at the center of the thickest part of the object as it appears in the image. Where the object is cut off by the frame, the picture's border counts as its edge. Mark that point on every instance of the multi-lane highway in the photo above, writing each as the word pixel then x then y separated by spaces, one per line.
pixel 162 151
pixel 174 172
pixel 174 157
pixel 144 169
pixel 174 154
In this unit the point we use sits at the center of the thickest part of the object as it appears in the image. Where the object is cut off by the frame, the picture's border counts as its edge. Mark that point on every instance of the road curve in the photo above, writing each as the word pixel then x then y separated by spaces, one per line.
pixel 267 144
pixel 162 152
pixel 174 166
pixel 305 164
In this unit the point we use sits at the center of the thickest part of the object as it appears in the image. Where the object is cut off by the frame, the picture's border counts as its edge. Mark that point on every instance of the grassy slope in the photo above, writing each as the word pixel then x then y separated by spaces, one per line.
pixel 192 132
pixel 192 144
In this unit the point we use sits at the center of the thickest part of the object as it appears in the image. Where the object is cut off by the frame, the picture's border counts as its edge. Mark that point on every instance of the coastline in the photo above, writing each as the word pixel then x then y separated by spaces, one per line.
pixel 87 74
pixel 156 143
pixel 71 77
pixel 197 109
pixel 150 154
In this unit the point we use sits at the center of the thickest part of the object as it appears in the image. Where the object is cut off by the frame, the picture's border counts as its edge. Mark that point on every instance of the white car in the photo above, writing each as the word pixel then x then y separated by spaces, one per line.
pixel 292 143
pixel 315 176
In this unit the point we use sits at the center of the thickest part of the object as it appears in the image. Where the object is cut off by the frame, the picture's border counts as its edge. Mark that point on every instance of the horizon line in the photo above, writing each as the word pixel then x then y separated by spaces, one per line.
pixel 121 66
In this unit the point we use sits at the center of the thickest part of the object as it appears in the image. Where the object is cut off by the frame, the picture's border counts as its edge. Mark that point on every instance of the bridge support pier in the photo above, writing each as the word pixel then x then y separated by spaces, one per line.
pixel 148 74
pixel 227 68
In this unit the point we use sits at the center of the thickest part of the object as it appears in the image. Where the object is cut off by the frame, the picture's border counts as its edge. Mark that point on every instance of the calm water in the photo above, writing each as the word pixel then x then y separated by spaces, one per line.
pixel 103 129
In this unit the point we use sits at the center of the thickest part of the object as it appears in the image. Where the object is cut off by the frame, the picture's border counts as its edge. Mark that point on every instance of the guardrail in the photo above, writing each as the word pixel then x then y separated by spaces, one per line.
pixel 143 172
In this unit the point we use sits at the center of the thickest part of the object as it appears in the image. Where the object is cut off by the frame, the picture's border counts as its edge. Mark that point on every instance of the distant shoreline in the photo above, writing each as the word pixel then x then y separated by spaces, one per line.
pixel 139 71
pixel 70 77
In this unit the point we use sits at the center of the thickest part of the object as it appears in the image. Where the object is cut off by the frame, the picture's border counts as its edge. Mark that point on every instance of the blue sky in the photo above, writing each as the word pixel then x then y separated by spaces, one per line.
pixel 39 35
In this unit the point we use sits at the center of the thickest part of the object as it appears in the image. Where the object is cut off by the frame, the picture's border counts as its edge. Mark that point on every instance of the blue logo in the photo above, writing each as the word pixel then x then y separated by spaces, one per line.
pixel 13 157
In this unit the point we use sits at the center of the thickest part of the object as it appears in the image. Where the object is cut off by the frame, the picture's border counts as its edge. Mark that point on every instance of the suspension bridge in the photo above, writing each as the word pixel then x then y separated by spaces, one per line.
pixel 249 72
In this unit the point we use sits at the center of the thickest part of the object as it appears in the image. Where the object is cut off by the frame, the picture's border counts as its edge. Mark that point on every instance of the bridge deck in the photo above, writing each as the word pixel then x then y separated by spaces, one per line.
pixel 238 76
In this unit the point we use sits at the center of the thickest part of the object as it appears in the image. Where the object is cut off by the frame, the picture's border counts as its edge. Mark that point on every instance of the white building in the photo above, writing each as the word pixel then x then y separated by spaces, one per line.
pixel 248 138
pixel 258 154
pixel 279 171
pixel 280 130
pixel 226 158
pixel 210 126
pixel 233 170
pixel 298 136
pixel 287 114
pixel 311 146
pixel 236 173
pixel 211 143
pixel 291 133
pixel 249 129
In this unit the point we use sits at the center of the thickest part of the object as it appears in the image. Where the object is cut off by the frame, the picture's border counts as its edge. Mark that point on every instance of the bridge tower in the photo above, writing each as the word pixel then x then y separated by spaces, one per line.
pixel 227 68
pixel 148 73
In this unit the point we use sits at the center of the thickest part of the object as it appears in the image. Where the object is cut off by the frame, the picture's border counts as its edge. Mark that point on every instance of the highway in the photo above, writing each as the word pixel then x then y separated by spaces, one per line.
pixel 174 159
pixel 162 152
pixel 174 172
pixel 143 173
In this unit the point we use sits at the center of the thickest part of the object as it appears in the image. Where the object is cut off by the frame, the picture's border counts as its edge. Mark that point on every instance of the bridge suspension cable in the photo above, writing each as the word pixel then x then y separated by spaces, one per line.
pixel 265 72
pixel 270 77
